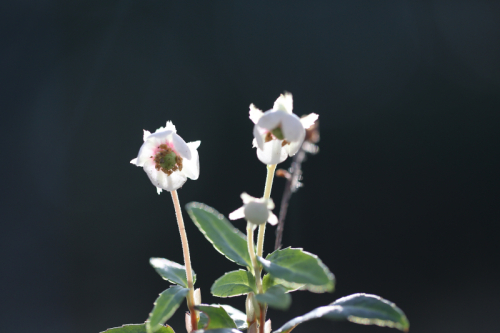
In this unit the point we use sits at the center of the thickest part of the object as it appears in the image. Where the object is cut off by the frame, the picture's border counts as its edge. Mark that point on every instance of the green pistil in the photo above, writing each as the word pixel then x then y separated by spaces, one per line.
pixel 168 161
pixel 278 133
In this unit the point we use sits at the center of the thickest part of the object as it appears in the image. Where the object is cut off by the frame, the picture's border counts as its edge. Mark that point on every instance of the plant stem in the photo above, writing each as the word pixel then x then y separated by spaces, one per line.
pixel 267 195
pixel 187 259
pixel 255 263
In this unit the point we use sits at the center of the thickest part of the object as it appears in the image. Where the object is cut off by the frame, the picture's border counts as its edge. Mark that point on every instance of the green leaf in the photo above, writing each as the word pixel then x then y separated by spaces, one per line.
pixel 268 281
pixel 276 298
pixel 295 267
pixel 358 308
pixel 220 232
pixel 234 283
pixel 239 318
pixel 165 307
pixel 137 328
pixel 219 330
pixel 171 271
pixel 217 317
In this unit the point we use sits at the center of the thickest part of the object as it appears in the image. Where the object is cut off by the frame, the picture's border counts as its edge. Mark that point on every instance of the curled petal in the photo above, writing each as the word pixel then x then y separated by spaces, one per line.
pixel 255 114
pixel 247 198
pixel 284 103
pixel 271 119
pixel 293 147
pixel 273 152
pixel 309 120
pixel 272 219
pixel 258 140
pixel 134 161
pixel 237 214
pixel 191 168
pixel 292 128
pixel 181 146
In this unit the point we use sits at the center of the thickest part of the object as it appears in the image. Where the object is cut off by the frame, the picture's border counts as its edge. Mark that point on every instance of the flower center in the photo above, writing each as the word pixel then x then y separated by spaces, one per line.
pixel 167 160
pixel 278 133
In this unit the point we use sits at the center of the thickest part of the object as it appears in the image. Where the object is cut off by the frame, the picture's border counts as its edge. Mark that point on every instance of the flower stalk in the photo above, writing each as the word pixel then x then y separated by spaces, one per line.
pixel 187 259
pixel 251 252
pixel 267 194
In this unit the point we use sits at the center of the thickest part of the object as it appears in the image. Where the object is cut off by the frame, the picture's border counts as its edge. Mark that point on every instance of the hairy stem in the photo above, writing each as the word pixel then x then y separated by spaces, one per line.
pixel 187 259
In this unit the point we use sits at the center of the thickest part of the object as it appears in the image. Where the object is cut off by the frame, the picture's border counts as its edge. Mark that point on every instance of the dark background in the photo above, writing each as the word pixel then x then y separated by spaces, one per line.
pixel 402 200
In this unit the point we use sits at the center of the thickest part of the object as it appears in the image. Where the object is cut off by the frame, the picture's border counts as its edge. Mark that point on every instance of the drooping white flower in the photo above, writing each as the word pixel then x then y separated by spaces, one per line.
pixel 279 133
pixel 167 159
pixel 254 210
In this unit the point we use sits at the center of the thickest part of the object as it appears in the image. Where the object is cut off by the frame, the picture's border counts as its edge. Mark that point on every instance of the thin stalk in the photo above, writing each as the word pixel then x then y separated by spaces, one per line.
pixel 255 263
pixel 187 259
pixel 267 195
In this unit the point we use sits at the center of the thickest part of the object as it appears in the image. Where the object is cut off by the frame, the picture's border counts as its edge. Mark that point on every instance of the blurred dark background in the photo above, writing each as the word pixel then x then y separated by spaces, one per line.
pixel 402 200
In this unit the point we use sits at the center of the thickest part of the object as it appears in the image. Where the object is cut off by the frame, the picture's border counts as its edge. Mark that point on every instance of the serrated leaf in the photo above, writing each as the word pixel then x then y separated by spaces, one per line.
pixel 219 330
pixel 239 318
pixel 220 232
pixel 358 308
pixel 171 271
pixel 215 316
pixel 268 281
pixel 165 307
pixel 275 297
pixel 234 283
pixel 293 267
pixel 137 328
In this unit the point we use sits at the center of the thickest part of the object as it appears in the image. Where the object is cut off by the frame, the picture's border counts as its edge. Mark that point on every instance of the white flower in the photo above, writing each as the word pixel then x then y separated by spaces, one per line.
pixel 167 159
pixel 256 211
pixel 279 133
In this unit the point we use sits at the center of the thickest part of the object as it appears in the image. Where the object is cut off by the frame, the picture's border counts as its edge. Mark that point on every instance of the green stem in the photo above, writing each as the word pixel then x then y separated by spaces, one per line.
pixel 187 259
pixel 267 195
pixel 255 263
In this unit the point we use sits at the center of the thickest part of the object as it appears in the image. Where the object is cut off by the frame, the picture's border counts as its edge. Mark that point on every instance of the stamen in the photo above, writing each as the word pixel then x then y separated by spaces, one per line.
pixel 268 137
pixel 167 160
pixel 284 143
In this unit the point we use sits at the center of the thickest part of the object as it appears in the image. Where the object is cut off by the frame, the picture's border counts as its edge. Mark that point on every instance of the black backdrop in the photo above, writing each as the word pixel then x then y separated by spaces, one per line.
pixel 402 200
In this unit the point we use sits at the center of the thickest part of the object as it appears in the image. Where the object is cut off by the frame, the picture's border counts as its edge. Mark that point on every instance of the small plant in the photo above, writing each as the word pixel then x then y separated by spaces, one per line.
pixel 266 281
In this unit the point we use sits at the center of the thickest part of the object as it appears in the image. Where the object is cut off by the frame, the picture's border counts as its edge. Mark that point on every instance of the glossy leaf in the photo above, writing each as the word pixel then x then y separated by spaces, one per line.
pixel 220 232
pixel 137 328
pixel 276 297
pixel 295 267
pixel 358 308
pixel 214 316
pixel 234 283
pixel 239 318
pixel 165 307
pixel 268 281
pixel 171 271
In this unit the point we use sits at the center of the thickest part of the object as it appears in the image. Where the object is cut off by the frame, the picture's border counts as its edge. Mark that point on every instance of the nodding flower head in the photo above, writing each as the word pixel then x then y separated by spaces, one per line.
pixel 167 159
pixel 279 133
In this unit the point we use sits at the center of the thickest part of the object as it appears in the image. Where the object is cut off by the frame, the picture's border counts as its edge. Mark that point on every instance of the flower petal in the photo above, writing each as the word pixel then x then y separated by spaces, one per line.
pixel 161 180
pixel 255 114
pixel 272 219
pixel 284 103
pixel 292 128
pixel 271 119
pixel 134 161
pixel 191 168
pixel 146 151
pixel 181 146
pixel 145 135
pixel 159 190
pixel 272 152
pixel 170 127
pixel 258 140
pixel 309 120
pixel 293 147
pixel 247 198
pixel 237 214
